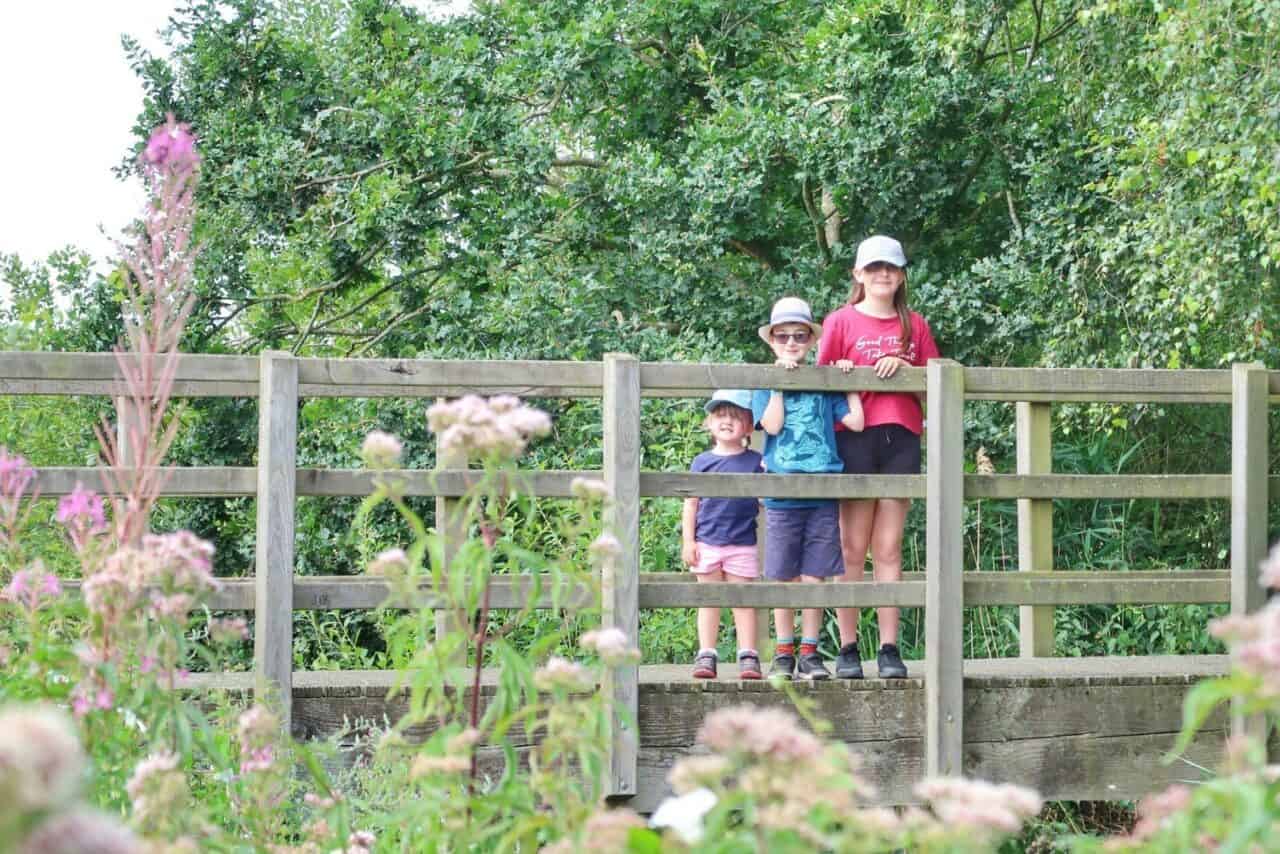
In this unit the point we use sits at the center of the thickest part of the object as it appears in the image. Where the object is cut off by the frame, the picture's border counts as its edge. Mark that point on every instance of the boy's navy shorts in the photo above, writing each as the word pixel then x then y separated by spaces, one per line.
pixel 882 449
pixel 802 541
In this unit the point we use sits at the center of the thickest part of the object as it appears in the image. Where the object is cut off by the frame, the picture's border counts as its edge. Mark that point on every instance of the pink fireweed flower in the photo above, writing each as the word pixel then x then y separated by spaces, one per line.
pixel 772 735
pixel 172 148
pixel 257 759
pixel 611 644
pixel 41 761
pixel 15 477
pixel 32 587
pixel 381 450
pixel 563 674
pixel 82 509
pixel 228 630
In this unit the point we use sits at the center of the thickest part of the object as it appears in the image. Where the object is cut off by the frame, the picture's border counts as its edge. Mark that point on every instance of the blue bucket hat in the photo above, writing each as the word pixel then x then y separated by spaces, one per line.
pixel 738 397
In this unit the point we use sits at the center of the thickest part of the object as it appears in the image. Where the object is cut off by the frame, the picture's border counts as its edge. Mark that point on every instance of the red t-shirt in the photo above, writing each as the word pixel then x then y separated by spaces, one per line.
pixel 849 334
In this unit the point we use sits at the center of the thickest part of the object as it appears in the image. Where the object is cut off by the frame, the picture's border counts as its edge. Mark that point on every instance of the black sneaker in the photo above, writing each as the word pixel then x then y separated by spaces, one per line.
pixel 704 666
pixel 812 667
pixel 848 662
pixel 784 666
pixel 889 662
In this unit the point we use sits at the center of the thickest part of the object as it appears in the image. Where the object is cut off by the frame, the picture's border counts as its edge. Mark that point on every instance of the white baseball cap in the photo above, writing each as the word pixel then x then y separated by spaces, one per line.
pixel 878 247
pixel 790 310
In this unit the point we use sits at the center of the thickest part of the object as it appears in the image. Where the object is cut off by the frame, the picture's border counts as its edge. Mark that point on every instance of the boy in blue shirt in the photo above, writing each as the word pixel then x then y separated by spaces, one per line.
pixel 802 534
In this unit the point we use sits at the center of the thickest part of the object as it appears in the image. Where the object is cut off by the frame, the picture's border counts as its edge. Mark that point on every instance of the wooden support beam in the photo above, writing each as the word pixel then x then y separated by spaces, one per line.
pixel 1035 525
pixel 277 496
pixel 620 578
pixel 944 581
pixel 1249 460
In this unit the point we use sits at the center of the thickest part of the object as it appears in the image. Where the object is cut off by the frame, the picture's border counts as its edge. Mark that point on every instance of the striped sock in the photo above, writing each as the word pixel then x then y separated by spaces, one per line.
pixel 808 646
pixel 785 646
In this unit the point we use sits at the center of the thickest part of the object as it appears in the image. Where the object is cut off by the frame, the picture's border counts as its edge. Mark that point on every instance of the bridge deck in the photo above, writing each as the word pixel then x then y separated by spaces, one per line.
pixel 1074 728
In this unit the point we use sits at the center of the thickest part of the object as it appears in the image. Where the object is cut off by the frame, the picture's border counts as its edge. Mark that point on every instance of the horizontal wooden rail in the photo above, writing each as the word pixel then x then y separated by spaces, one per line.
pixel 201 375
pixel 678 590
pixel 230 482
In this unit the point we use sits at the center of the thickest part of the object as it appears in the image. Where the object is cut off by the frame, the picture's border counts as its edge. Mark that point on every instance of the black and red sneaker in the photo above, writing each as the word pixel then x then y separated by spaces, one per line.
pixel 704 666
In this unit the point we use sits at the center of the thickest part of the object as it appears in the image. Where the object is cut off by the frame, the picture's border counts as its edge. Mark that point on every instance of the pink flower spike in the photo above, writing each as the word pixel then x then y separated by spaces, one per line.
pixel 104 698
pixel 171 147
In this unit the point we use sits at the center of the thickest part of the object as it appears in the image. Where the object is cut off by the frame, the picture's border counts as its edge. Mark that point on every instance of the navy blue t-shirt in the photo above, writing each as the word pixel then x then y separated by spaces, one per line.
pixel 727 521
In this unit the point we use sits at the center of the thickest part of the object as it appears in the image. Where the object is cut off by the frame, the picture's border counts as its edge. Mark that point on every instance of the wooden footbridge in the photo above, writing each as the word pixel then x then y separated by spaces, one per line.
pixel 1073 728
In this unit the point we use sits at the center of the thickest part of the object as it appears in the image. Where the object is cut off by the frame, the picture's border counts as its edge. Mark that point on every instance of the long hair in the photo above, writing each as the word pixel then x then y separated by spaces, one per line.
pixel 856 295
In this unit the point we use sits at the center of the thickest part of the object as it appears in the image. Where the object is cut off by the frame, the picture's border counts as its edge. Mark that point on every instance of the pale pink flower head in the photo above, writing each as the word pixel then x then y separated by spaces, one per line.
pixel 771 735
pixel 560 673
pixel 590 489
pixel 259 731
pixel 475 428
pixel 360 840
pixel 381 450
pixel 156 788
pixel 392 562
pixel 81 831
pixel 1270 569
pixel 978 807
pixel 171 148
pixel 606 548
pixel 179 562
pixel 611 644
pixel 41 761
pixel 425 765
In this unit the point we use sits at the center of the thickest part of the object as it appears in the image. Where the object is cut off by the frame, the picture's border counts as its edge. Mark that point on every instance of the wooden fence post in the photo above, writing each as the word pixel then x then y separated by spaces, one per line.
pixel 1249 476
pixel 1035 525
pixel 277 491
pixel 944 581
pixel 451 525
pixel 620 579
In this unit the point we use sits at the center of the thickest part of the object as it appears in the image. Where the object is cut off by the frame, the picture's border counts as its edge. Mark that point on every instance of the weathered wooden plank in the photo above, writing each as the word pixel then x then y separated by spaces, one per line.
pixel 1093 588
pixel 944 586
pixel 196 367
pixel 432 377
pixel 231 481
pixel 277 498
pixel 1097 486
pixel 110 388
pixel 699 380
pixel 620 575
pixel 1098 383
pixel 308 390
pixel 1033 425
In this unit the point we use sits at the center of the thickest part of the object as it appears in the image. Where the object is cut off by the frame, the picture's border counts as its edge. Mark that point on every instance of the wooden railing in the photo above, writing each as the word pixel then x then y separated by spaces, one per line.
pixel 944 590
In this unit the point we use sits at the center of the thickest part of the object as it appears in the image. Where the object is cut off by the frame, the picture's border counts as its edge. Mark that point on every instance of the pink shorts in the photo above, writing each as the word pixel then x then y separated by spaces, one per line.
pixel 735 560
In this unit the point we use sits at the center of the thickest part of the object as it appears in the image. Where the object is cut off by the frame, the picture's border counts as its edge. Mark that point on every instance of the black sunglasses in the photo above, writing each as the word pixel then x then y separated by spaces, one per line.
pixel 798 337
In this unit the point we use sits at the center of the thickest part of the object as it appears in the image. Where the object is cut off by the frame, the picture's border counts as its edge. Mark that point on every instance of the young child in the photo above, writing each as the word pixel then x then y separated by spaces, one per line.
pixel 719 534
pixel 802 540
pixel 877 330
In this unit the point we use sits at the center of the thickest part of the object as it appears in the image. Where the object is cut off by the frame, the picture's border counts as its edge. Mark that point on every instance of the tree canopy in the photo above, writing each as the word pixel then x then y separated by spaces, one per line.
pixel 1074 184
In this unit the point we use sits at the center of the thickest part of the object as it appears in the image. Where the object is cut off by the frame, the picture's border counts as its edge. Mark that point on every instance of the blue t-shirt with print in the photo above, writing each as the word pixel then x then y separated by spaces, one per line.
pixel 727 521
pixel 807 442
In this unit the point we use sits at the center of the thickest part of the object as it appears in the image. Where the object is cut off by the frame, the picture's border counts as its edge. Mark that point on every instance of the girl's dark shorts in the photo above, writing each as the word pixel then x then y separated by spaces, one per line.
pixel 882 449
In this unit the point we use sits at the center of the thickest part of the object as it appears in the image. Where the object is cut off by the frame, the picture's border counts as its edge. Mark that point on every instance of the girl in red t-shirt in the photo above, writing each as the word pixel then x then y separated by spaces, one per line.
pixel 875 329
